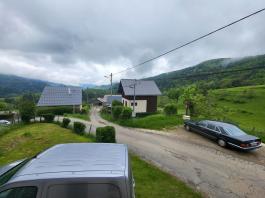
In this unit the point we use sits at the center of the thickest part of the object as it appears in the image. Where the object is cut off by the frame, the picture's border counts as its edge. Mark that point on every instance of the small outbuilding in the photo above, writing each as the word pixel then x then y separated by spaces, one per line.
pixel 144 91
pixel 106 101
pixel 61 96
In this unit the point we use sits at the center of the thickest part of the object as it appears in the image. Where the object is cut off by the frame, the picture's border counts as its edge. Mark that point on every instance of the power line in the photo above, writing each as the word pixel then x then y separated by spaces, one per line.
pixel 190 42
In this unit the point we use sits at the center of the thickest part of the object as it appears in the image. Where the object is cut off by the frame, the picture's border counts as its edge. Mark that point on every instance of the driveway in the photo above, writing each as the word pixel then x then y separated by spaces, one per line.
pixel 215 171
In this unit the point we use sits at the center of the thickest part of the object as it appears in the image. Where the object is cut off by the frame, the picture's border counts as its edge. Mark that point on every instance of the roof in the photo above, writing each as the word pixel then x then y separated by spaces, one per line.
pixel 60 96
pixel 217 123
pixel 76 159
pixel 109 98
pixel 142 87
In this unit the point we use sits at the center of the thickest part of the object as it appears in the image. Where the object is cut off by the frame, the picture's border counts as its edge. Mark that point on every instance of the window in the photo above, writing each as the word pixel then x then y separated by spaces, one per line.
pixel 223 131
pixel 210 126
pixel 126 103
pixel 84 191
pixel 132 104
pixel 202 123
pixel 20 192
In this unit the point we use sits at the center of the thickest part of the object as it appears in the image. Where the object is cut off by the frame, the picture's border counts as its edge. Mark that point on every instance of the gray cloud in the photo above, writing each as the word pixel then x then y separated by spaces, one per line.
pixel 80 41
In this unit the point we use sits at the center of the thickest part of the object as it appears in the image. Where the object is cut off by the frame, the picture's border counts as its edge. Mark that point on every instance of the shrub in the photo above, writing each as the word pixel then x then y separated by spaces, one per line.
pixel 170 109
pixel 48 117
pixel 126 113
pixel 54 110
pixel 116 112
pixel 116 103
pixel 66 122
pixel 79 128
pixel 106 134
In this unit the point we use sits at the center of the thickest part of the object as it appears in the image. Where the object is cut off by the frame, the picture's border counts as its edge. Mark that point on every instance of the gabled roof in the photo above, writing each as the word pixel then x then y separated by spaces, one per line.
pixel 60 96
pixel 142 87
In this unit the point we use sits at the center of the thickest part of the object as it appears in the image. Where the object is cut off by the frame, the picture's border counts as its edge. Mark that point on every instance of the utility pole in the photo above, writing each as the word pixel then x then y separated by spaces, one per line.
pixel 110 77
pixel 134 97
pixel 111 84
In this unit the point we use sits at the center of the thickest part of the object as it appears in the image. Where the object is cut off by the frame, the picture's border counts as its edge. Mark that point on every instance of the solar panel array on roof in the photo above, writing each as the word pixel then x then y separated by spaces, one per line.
pixel 60 96
pixel 142 87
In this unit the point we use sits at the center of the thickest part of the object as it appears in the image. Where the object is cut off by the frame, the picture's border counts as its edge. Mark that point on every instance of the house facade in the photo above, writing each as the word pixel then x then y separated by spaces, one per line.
pixel 144 91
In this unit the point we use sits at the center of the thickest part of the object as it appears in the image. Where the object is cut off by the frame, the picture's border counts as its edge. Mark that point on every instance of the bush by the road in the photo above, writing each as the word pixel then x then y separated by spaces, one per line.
pixel 116 112
pixel 106 134
pixel 79 128
pixel 170 109
pixel 66 122
pixel 116 103
pixel 48 117
pixel 126 113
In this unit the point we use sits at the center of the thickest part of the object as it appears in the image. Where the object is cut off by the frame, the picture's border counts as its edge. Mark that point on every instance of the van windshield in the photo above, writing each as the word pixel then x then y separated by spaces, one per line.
pixel 5 177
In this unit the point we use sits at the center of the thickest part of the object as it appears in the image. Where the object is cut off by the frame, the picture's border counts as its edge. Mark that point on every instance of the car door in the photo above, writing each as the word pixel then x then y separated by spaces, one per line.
pixel 211 131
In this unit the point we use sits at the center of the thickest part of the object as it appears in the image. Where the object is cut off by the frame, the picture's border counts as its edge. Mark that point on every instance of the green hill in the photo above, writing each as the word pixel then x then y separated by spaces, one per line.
pixel 244 106
pixel 226 80
pixel 13 85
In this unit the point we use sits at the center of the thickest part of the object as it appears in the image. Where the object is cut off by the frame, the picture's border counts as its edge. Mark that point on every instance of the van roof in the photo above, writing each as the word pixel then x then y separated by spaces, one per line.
pixel 75 160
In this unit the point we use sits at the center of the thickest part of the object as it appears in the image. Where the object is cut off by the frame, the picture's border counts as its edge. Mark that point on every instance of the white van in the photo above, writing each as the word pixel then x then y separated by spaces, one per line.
pixel 76 170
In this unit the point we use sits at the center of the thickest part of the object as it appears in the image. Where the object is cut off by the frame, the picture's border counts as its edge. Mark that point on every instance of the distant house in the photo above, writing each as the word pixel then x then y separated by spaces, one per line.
pixel 61 96
pixel 107 100
pixel 146 92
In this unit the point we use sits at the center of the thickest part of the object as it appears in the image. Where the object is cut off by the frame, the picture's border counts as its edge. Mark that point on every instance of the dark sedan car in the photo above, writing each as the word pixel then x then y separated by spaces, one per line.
pixel 224 133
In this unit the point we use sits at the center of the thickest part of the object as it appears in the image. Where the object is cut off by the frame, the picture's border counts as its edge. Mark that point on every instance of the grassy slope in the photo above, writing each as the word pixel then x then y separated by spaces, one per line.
pixel 78 115
pixel 157 121
pixel 29 140
pixel 250 115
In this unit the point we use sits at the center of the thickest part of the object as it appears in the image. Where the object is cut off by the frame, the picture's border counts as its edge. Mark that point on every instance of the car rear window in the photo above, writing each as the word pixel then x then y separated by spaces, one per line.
pixel 84 191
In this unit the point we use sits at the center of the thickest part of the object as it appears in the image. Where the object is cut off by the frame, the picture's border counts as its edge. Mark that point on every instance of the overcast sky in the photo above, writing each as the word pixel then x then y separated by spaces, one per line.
pixel 80 41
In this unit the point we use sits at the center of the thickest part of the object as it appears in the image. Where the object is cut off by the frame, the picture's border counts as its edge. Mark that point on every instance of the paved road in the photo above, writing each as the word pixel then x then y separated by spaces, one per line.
pixel 215 171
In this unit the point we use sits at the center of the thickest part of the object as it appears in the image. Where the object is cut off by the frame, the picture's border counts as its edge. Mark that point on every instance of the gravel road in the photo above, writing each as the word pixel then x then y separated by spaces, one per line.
pixel 215 171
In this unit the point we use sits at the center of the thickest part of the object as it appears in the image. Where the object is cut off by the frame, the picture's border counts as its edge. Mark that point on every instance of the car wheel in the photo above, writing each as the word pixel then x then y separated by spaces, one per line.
pixel 187 127
pixel 221 143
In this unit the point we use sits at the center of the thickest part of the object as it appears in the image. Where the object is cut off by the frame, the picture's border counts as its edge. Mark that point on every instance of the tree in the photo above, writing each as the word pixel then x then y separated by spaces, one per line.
pixel 116 103
pixel 188 97
pixel 27 108
pixel 174 93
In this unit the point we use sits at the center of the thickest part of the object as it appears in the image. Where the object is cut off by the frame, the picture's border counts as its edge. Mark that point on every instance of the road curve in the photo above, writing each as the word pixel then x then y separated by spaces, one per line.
pixel 215 171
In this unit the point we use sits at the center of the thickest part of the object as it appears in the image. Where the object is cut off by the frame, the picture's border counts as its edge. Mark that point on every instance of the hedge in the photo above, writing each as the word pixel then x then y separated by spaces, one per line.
pixel 48 117
pixel 106 134
pixel 79 128
pixel 66 122
pixel 54 110
pixel 170 109
pixel 116 112
pixel 126 113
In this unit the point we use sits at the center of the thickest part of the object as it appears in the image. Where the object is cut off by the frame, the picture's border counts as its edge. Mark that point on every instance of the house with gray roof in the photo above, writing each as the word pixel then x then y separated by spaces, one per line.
pixel 61 96
pixel 145 92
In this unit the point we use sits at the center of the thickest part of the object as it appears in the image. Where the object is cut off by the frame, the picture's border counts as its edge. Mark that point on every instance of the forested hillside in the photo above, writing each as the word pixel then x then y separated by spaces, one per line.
pixel 191 75
pixel 14 85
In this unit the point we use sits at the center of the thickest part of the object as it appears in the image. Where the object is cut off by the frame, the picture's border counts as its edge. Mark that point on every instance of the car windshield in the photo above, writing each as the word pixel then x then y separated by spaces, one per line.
pixel 234 131
pixel 4 178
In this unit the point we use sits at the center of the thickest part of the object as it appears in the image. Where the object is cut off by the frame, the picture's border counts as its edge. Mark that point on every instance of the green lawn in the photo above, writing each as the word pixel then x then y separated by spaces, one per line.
pixel 28 140
pixel 156 121
pixel 245 106
pixel 79 116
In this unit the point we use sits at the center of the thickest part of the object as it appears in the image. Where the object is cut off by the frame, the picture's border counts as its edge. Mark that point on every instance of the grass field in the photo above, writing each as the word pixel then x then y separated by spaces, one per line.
pixel 78 115
pixel 245 106
pixel 28 140
pixel 156 121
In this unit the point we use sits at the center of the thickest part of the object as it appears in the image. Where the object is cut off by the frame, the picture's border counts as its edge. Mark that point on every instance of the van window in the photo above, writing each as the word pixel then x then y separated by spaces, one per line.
pixel 20 192
pixel 84 191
